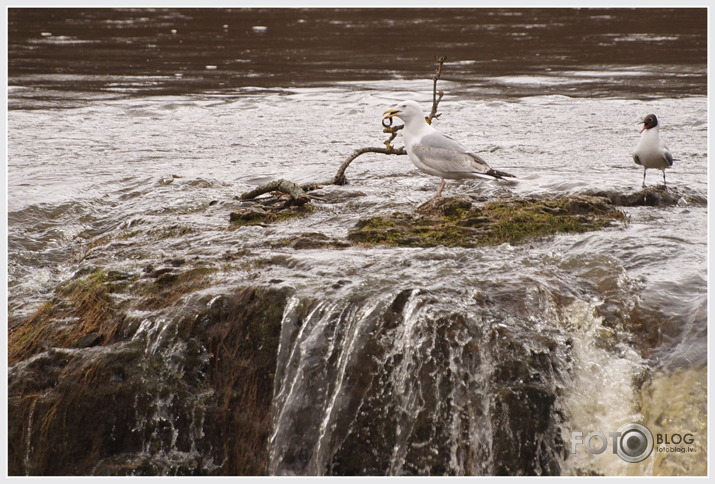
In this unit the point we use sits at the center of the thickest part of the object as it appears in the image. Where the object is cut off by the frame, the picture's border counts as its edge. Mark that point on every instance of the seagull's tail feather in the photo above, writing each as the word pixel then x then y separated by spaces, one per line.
pixel 499 174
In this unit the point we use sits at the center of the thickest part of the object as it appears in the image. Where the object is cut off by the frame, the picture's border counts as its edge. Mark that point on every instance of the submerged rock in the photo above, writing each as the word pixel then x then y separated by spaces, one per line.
pixel 459 222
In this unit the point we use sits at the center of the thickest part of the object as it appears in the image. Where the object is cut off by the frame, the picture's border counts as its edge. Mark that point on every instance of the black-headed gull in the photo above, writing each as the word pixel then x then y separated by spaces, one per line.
pixel 650 152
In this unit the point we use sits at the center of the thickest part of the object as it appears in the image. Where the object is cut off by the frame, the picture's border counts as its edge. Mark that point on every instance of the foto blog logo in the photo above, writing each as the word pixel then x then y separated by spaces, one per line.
pixel 632 442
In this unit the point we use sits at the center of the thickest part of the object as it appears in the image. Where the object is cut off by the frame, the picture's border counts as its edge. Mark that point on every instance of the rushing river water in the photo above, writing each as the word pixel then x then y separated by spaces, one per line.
pixel 142 117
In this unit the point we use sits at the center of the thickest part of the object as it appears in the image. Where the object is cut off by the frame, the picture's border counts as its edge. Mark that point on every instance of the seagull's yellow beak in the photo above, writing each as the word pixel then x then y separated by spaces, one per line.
pixel 390 113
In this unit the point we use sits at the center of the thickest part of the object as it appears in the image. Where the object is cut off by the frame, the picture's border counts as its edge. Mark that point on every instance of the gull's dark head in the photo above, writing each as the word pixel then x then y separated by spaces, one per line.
pixel 649 122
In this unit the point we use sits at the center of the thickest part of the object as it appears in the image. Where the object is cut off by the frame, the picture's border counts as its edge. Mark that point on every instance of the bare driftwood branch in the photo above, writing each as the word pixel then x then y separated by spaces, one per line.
pixel 298 193
pixel 339 178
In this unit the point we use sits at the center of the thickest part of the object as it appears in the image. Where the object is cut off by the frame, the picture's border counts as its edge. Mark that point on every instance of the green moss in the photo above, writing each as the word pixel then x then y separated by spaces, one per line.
pixel 376 223
pixel 514 222
pixel 458 223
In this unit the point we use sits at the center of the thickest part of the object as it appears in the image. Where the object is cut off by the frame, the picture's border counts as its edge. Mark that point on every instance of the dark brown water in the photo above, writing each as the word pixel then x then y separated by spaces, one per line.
pixel 179 51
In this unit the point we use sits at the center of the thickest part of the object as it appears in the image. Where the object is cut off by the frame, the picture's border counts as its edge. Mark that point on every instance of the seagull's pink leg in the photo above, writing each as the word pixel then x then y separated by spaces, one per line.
pixel 439 191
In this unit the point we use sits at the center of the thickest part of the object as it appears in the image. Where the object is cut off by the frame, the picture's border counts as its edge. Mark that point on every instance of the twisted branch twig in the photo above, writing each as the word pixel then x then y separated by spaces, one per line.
pixel 436 96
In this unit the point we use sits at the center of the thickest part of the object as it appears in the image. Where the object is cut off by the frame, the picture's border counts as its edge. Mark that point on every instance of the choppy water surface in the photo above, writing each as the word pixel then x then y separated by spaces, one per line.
pixel 126 118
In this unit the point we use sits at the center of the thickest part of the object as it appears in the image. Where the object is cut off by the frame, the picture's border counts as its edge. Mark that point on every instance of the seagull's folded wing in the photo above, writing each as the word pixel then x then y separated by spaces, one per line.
pixel 445 155
pixel 668 157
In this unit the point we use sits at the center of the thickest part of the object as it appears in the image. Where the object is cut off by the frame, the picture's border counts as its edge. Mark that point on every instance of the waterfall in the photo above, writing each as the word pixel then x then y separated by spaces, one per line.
pixel 412 384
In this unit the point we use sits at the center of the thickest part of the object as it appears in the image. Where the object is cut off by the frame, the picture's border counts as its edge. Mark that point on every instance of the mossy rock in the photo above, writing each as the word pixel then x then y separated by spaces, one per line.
pixel 459 222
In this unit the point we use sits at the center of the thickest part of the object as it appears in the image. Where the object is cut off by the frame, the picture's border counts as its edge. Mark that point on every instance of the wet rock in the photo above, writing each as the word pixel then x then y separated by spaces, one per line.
pixel 649 197
pixel 515 399
pixel 459 221
pixel 174 377
pixel 188 393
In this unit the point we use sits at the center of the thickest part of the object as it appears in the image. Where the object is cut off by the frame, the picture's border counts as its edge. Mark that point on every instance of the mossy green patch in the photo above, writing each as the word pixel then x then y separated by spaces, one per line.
pixel 457 222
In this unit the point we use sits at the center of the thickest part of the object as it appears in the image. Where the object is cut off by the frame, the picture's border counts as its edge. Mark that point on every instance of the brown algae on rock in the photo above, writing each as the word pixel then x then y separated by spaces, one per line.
pixel 459 222
pixel 81 307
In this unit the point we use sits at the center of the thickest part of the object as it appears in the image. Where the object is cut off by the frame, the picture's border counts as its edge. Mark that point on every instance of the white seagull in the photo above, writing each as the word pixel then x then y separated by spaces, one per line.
pixel 435 153
pixel 650 152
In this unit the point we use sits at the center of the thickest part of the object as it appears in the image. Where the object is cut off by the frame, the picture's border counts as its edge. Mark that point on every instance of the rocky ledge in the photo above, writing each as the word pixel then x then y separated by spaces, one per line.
pixel 468 222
